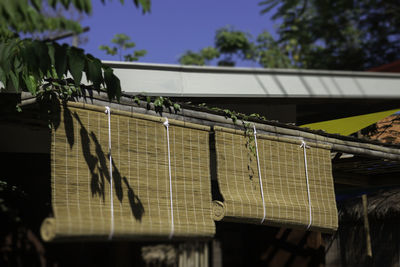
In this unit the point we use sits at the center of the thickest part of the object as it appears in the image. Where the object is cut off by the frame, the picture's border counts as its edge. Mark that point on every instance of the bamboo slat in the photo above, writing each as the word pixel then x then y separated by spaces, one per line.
pixel 141 193
pixel 283 175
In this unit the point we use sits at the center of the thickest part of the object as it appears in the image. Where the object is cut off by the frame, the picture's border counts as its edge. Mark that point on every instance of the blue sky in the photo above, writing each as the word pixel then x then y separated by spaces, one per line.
pixel 172 27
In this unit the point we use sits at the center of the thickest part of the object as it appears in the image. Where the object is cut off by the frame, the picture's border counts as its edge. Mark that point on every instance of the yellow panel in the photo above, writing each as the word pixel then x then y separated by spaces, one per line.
pixel 347 126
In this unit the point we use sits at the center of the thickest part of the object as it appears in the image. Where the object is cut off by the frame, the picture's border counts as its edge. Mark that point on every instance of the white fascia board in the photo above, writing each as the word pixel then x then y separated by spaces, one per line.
pixel 184 81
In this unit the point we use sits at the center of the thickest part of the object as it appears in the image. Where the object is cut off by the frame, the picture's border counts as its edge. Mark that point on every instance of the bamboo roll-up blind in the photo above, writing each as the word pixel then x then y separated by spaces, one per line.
pixel 140 173
pixel 284 182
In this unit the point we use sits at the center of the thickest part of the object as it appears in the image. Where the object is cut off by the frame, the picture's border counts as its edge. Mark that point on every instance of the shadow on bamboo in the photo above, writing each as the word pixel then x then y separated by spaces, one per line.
pixel 99 168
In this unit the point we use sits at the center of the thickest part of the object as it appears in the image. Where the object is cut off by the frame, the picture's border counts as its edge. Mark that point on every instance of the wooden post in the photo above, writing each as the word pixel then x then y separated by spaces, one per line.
pixel 216 253
pixel 366 225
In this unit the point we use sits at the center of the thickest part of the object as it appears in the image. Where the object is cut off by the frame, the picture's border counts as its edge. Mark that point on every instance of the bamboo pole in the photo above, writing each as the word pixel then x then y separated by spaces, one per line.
pixel 366 225
pixel 352 147
pixel 367 149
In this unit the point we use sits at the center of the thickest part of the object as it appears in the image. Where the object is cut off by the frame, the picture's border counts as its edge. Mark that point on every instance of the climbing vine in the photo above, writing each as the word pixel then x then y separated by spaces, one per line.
pixel 160 103
pixel 235 116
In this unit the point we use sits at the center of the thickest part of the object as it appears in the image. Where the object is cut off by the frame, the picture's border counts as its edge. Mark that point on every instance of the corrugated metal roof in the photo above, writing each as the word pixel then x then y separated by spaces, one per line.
pixel 191 81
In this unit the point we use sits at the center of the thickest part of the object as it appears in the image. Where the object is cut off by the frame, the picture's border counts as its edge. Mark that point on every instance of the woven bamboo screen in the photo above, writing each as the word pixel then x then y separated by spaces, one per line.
pixel 140 175
pixel 284 183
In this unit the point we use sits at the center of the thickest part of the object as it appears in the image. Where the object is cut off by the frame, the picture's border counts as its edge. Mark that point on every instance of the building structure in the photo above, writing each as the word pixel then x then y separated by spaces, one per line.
pixel 80 149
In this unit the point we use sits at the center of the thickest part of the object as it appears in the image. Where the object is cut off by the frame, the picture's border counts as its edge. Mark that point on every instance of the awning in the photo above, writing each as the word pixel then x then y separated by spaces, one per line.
pixel 289 200
pixel 350 125
pixel 138 205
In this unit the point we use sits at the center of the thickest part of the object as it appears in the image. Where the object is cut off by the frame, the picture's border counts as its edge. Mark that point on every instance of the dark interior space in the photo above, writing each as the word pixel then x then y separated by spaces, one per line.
pixel 255 245
pixel 299 110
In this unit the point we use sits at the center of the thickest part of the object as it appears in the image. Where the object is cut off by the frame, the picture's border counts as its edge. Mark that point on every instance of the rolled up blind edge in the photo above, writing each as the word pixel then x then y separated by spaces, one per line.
pixel 139 116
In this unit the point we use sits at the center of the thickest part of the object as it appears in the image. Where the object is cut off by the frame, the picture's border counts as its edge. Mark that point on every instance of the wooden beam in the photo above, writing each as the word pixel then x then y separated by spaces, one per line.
pixel 346 178
pixel 353 179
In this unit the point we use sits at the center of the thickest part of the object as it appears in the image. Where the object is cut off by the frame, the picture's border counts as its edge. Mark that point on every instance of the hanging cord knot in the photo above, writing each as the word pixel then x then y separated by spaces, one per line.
pixel 259 174
pixel 304 144
pixel 166 123
pixel 108 112
pixel 305 147
pixel 171 234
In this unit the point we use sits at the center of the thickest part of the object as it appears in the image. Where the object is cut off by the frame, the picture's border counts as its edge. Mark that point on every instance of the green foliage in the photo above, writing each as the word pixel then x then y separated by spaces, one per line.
pixel 244 118
pixel 160 103
pixel 338 34
pixel 230 41
pixel 209 53
pixel 269 54
pixel 122 42
pixel 315 34
pixel 135 56
pixel 109 50
pixel 26 17
pixel 41 66
pixel 200 59
pixel 38 67
pixel 232 45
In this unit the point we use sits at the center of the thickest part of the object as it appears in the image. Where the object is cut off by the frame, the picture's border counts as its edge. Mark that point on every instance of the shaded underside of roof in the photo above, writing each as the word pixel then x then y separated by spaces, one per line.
pixel 188 81
pixel 356 173
pixel 383 204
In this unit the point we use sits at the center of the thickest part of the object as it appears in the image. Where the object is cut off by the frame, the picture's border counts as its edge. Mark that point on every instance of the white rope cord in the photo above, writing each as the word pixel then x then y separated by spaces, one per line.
pixel 110 236
pixel 259 174
pixel 171 234
pixel 304 146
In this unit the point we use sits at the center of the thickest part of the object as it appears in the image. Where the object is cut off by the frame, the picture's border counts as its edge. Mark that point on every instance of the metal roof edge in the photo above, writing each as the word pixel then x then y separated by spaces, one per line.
pixel 272 96
pixel 241 70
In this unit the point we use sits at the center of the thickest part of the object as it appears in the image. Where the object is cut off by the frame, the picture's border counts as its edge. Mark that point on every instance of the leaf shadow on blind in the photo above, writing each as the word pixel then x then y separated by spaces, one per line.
pixel 215 190
pixel 69 126
pixel 97 184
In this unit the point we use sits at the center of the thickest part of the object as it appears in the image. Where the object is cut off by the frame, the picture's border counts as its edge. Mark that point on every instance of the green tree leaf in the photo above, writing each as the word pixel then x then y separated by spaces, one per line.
pixel 14 80
pixel 31 83
pixel 228 40
pixel 177 107
pixel 42 53
pixel 112 84
pixel 3 77
pixel 192 58
pixel 5 53
pixel 122 42
pixel 94 71
pixel 144 3
pixel 37 4
pixel 51 50
pixel 28 64
pixel 344 35
pixel 61 60
pixel 76 63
